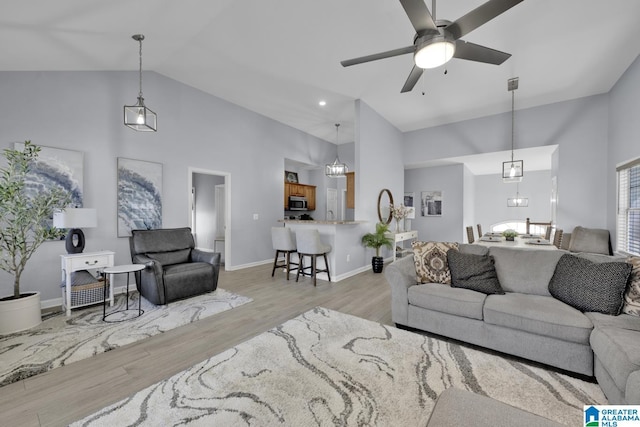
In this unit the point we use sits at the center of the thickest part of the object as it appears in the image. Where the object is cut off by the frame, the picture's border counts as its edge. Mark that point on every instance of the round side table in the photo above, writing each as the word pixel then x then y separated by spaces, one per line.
pixel 120 269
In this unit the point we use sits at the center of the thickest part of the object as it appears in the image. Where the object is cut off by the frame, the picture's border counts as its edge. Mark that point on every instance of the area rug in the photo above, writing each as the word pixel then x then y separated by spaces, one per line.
pixel 325 368
pixel 60 340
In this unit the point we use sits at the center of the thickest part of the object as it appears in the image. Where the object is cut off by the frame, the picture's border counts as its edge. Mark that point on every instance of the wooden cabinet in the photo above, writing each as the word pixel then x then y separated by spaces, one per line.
pixel 302 190
pixel 351 190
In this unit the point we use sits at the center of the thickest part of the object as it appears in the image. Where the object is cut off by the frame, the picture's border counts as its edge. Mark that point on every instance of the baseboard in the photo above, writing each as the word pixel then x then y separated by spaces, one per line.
pixel 251 264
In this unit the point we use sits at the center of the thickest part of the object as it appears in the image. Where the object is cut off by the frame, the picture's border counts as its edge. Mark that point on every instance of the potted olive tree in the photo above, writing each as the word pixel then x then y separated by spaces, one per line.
pixel 377 240
pixel 23 228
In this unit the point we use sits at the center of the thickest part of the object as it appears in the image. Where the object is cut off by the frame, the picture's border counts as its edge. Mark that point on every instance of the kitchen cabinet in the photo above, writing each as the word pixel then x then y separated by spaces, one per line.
pixel 351 190
pixel 303 190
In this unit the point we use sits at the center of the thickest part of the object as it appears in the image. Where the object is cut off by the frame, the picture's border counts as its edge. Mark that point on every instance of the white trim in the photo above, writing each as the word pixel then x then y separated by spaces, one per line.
pixel 251 264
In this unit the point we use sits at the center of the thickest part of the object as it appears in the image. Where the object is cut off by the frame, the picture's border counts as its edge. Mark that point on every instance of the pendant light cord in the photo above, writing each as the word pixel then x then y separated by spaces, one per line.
pixel 140 77
pixel 512 122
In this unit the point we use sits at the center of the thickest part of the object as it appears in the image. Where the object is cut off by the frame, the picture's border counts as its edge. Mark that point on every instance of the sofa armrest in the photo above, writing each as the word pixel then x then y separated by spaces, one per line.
pixel 213 258
pixel 401 275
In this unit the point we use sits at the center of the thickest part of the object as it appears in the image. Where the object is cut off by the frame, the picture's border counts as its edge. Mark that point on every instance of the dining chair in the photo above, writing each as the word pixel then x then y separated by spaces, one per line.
pixel 470 234
pixel 480 231
pixel 540 223
pixel 557 238
pixel 547 233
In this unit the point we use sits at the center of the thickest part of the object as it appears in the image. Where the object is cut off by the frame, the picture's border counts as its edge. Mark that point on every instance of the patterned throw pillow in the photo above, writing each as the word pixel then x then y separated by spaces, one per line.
pixel 431 261
pixel 590 286
pixel 475 272
pixel 632 296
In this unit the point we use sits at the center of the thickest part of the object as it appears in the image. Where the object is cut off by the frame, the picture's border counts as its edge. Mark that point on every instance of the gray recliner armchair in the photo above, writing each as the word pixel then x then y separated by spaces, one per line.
pixel 174 268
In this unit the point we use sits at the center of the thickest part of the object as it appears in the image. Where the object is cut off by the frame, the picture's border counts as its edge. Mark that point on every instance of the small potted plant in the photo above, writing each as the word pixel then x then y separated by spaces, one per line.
pixel 377 240
pixel 509 234
pixel 23 228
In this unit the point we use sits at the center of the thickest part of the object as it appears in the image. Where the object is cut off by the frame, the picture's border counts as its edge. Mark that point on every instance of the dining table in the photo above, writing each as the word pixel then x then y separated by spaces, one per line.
pixel 522 241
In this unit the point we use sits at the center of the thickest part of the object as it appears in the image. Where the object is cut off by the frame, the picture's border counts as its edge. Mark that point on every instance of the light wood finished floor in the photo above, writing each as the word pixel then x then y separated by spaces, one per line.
pixel 66 394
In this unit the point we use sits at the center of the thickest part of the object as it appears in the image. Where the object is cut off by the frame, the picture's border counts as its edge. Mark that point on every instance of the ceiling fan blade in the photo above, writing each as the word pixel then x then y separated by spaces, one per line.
pixel 413 78
pixel 480 15
pixel 419 16
pixel 376 56
pixel 475 52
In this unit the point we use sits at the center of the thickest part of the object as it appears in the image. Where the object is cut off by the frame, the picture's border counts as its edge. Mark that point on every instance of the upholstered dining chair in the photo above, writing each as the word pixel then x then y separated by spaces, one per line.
pixel 309 245
pixel 470 237
pixel 283 243
pixel 557 238
pixel 547 226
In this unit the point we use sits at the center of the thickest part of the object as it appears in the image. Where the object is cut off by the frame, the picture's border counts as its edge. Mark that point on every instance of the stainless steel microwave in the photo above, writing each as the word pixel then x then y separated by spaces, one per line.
pixel 298 203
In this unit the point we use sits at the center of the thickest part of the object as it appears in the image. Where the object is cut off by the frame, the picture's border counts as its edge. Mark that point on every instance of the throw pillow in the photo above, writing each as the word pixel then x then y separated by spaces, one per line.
pixel 632 296
pixel 431 261
pixel 590 286
pixel 475 272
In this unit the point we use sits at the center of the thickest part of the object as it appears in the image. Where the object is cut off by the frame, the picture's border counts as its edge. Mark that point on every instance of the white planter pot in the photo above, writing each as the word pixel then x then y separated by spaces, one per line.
pixel 20 314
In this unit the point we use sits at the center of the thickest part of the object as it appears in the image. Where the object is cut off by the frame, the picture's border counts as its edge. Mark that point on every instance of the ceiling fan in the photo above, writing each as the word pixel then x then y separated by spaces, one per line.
pixel 437 41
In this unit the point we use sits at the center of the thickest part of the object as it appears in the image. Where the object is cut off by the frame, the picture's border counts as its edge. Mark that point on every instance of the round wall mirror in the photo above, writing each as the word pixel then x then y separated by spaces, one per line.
pixel 385 200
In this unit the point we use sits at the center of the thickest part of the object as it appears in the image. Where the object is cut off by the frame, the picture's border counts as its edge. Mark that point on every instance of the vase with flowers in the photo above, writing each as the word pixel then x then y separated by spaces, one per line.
pixel 399 213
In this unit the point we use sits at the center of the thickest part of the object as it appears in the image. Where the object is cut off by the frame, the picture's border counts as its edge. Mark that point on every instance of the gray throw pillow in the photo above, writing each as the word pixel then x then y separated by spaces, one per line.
pixel 590 286
pixel 475 272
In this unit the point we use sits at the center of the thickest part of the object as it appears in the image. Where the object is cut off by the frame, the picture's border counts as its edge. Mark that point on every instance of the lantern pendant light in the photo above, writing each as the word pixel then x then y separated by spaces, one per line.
pixel 514 170
pixel 139 117
pixel 336 169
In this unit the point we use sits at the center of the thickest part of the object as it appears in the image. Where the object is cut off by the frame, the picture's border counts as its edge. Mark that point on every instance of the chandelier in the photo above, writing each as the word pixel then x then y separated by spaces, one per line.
pixel 514 170
pixel 336 169
pixel 139 117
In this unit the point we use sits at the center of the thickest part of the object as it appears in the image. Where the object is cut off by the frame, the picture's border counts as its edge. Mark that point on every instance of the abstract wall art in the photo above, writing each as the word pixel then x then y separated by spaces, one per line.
pixel 139 196
pixel 431 203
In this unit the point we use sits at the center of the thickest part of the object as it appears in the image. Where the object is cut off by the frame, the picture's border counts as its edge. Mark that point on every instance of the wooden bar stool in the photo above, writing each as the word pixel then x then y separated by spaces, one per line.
pixel 283 243
pixel 309 245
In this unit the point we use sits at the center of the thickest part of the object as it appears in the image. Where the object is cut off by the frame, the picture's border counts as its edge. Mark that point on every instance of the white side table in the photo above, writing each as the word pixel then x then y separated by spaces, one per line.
pixel 401 237
pixel 82 261
pixel 119 269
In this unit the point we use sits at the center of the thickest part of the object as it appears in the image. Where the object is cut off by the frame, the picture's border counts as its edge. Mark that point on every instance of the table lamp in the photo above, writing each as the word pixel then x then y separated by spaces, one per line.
pixel 73 219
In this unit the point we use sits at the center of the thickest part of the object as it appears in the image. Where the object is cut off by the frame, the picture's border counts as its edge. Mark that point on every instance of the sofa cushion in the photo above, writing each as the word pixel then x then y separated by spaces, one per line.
pixel 590 286
pixel 170 257
pixel 623 321
pixel 475 272
pixel 632 294
pixel 445 299
pixel 431 261
pixel 593 240
pixel 539 315
pixel 525 271
pixel 618 350
pixel 466 248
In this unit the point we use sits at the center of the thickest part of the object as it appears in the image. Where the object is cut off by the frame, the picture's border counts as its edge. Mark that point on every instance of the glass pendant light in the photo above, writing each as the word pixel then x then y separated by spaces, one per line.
pixel 139 117
pixel 518 202
pixel 512 171
pixel 336 169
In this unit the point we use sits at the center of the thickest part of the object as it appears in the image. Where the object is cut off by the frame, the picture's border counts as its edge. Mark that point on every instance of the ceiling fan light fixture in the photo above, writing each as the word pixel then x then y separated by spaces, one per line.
pixel 434 51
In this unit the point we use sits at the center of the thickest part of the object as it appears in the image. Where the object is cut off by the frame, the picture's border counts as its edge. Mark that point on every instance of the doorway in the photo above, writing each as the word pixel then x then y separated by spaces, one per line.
pixel 209 211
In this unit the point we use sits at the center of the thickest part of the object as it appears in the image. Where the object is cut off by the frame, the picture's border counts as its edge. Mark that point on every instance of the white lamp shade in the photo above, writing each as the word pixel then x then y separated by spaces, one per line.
pixel 434 53
pixel 75 218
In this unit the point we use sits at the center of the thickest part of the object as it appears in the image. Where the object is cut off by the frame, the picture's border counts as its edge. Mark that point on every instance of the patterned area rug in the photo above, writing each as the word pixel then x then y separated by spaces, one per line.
pixel 60 340
pixel 327 368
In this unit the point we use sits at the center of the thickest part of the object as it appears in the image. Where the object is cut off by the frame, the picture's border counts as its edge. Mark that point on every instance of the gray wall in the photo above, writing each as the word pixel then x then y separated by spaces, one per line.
pixel 83 111
pixel 450 179
pixel 624 131
pixel 579 127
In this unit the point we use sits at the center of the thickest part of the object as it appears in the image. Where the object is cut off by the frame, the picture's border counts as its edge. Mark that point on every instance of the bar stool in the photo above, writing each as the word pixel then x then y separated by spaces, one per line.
pixel 309 245
pixel 283 243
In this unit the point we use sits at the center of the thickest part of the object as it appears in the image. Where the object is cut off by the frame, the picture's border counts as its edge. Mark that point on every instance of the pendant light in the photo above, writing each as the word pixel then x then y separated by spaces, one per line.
pixel 336 169
pixel 139 117
pixel 514 170
pixel 518 202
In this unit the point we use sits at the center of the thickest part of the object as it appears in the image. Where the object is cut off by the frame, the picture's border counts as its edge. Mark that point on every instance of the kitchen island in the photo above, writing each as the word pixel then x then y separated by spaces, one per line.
pixel 347 257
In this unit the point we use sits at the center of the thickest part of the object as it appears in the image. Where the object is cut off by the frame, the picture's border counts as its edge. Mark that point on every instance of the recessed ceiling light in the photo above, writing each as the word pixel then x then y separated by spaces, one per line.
pixel 322 103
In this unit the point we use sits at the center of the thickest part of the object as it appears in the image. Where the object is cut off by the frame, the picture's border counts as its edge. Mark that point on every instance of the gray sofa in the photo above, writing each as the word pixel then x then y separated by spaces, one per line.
pixel 526 321
pixel 174 268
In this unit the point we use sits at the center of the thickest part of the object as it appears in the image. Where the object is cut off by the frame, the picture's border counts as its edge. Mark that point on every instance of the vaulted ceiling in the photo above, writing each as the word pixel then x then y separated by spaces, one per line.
pixel 281 57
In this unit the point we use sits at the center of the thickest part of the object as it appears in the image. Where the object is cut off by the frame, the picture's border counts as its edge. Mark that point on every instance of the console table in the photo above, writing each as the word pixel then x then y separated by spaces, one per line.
pixel 82 261
pixel 401 237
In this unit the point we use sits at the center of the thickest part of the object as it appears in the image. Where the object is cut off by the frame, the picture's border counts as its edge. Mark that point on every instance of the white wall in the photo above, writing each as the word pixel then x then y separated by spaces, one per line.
pixel 83 111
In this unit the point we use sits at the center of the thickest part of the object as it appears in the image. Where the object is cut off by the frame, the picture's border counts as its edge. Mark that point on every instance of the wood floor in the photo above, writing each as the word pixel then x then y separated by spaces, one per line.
pixel 69 393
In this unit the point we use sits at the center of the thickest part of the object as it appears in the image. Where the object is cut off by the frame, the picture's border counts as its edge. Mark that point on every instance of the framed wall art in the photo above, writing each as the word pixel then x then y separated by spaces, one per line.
pixel 409 203
pixel 139 196
pixel 431 203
